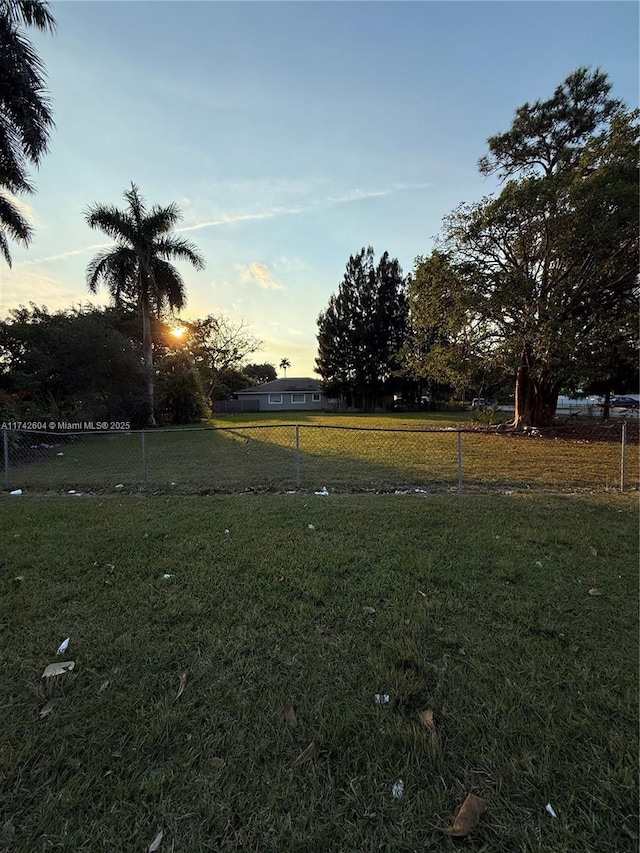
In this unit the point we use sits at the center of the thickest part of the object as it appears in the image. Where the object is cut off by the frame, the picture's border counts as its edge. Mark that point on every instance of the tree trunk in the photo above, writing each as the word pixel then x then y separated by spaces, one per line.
pixel 147 348
pixel 536 400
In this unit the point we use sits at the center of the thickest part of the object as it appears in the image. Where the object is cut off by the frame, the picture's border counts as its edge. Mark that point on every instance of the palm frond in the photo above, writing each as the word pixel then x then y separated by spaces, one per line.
pixel 13 224
pixel 117 269
pixel 180 249
pixel 168 285
pixel 31 13
pixel 115 223
pixel 160 220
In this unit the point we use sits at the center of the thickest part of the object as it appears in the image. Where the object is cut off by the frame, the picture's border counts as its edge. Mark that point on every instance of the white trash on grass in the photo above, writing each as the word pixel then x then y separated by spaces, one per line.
pixel 64 645
pixel 311 527
pixel 16 492
pixel 550 810
pixel 398 789
pixel 323 491
pixel 58 668
pixel 382 698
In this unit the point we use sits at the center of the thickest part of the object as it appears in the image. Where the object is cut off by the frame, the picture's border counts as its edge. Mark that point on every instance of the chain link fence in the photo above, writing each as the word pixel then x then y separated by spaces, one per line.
pixel 287 457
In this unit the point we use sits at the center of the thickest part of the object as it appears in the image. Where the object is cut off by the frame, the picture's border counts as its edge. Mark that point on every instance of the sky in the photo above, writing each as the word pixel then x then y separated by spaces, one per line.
pixel 290 135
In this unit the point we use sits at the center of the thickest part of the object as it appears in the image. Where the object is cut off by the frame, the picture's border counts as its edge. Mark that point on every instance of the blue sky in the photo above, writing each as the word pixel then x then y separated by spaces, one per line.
pixel 290 134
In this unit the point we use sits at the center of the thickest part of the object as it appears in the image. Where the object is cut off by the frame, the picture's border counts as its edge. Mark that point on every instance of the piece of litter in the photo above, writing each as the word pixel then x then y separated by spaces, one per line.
pixel 155 844
pixel 323 491
pixel 398 789
pixel 550 810
pixel 508 493
pixel 20 578
pixel 16 492
pixel 594 591
pixel 166 577
pixel 119 486
pixel 64 645
pixel 172 483
pixel 497 536
pixel 467 817
pixel 538 564
pixel 368 609
pixel 48 708
pixel 227 532
pixel 183 677
pixel 290 493
pixel 59 454
pixel 382 698
pixel 306 754
pixel 421 491
pixel 104 686
pixel 311 527
pixel 72 492
pixel 58 668
pixel 290 715
pixel 423 594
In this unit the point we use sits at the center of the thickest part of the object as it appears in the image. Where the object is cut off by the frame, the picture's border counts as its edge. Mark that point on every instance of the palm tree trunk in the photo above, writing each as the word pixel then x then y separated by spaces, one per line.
pixel 147 348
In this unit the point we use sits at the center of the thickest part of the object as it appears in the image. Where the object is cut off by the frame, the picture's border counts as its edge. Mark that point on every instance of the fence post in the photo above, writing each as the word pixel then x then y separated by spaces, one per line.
pixel 623 459
pixel 5 443
pixel 459 460
pixel 298 477
pixel 144 460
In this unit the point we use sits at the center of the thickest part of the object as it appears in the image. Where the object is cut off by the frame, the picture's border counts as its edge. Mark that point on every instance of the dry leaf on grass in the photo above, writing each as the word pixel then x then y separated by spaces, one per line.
pixel 183 676
pixel 58 668
pixel 593 550
pixel 155 844
pixel 467 817
pixel 368 609
pixel 306 754
pixel 48 708
pixel 426 718
pixel 290 714
pixel 594 591
pixel 218 763
pixel 104 686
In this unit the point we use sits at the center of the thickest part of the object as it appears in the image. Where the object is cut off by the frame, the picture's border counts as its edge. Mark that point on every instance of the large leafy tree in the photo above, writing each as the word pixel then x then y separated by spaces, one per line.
pixel 363 329
pixel 547 270
pixel 72 364
pixel 25 113
pixel 137 268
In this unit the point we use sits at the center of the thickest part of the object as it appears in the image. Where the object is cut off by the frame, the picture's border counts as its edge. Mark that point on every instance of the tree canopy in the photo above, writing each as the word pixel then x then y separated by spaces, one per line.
pixel 362 330
pixel 541 279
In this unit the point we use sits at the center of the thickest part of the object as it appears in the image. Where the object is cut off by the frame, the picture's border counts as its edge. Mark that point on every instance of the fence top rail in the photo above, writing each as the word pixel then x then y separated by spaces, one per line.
pixel 233 428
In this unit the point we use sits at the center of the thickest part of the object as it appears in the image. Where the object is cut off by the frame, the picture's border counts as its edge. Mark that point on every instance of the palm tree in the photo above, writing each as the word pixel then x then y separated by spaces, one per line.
pixel 25 113
pixel 137 267
pixel 283 366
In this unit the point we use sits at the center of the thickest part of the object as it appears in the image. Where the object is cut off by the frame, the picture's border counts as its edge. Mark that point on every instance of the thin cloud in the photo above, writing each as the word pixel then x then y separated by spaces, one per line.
pixel 64 255
pixel 259 274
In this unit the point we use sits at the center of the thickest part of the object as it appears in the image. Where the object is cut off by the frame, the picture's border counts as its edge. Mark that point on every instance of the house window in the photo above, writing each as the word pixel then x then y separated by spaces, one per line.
pixel 298 398
pixel 316 398
pixel 275 399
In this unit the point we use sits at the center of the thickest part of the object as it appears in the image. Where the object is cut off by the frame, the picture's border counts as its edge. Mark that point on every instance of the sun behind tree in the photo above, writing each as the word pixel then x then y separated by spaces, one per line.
pixel 137 268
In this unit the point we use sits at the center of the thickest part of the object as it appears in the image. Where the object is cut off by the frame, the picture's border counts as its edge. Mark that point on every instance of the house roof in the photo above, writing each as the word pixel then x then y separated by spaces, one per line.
pixel 278 386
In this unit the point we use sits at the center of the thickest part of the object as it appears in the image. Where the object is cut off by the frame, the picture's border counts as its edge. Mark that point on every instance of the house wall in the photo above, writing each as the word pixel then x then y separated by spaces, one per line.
pixel 286 405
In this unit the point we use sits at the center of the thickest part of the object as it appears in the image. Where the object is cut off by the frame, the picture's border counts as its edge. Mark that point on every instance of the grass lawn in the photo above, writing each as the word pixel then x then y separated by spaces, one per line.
pixel 482 613
pixel 345 453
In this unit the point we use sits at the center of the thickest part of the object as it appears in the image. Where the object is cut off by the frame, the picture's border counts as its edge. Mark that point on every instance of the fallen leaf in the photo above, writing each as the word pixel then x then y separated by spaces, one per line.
pixel 48 708
pixel 290 714
pixel 311 526
pixel 58 668
pixel 593 550
pixel 594 591
pixel 467 817
pixel 368 609
pixel 64 645
pixel 183 676
pixel 104 686
pixel 306 754
pixel 426 718
pixel 218 763
pixel 155 844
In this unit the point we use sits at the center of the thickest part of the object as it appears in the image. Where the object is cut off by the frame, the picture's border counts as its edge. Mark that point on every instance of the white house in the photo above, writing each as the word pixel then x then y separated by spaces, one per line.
pixel 285 395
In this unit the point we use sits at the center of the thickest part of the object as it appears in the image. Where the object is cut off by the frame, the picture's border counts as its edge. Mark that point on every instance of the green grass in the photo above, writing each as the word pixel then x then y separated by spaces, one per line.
pixel 482 613
pixel 345 453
